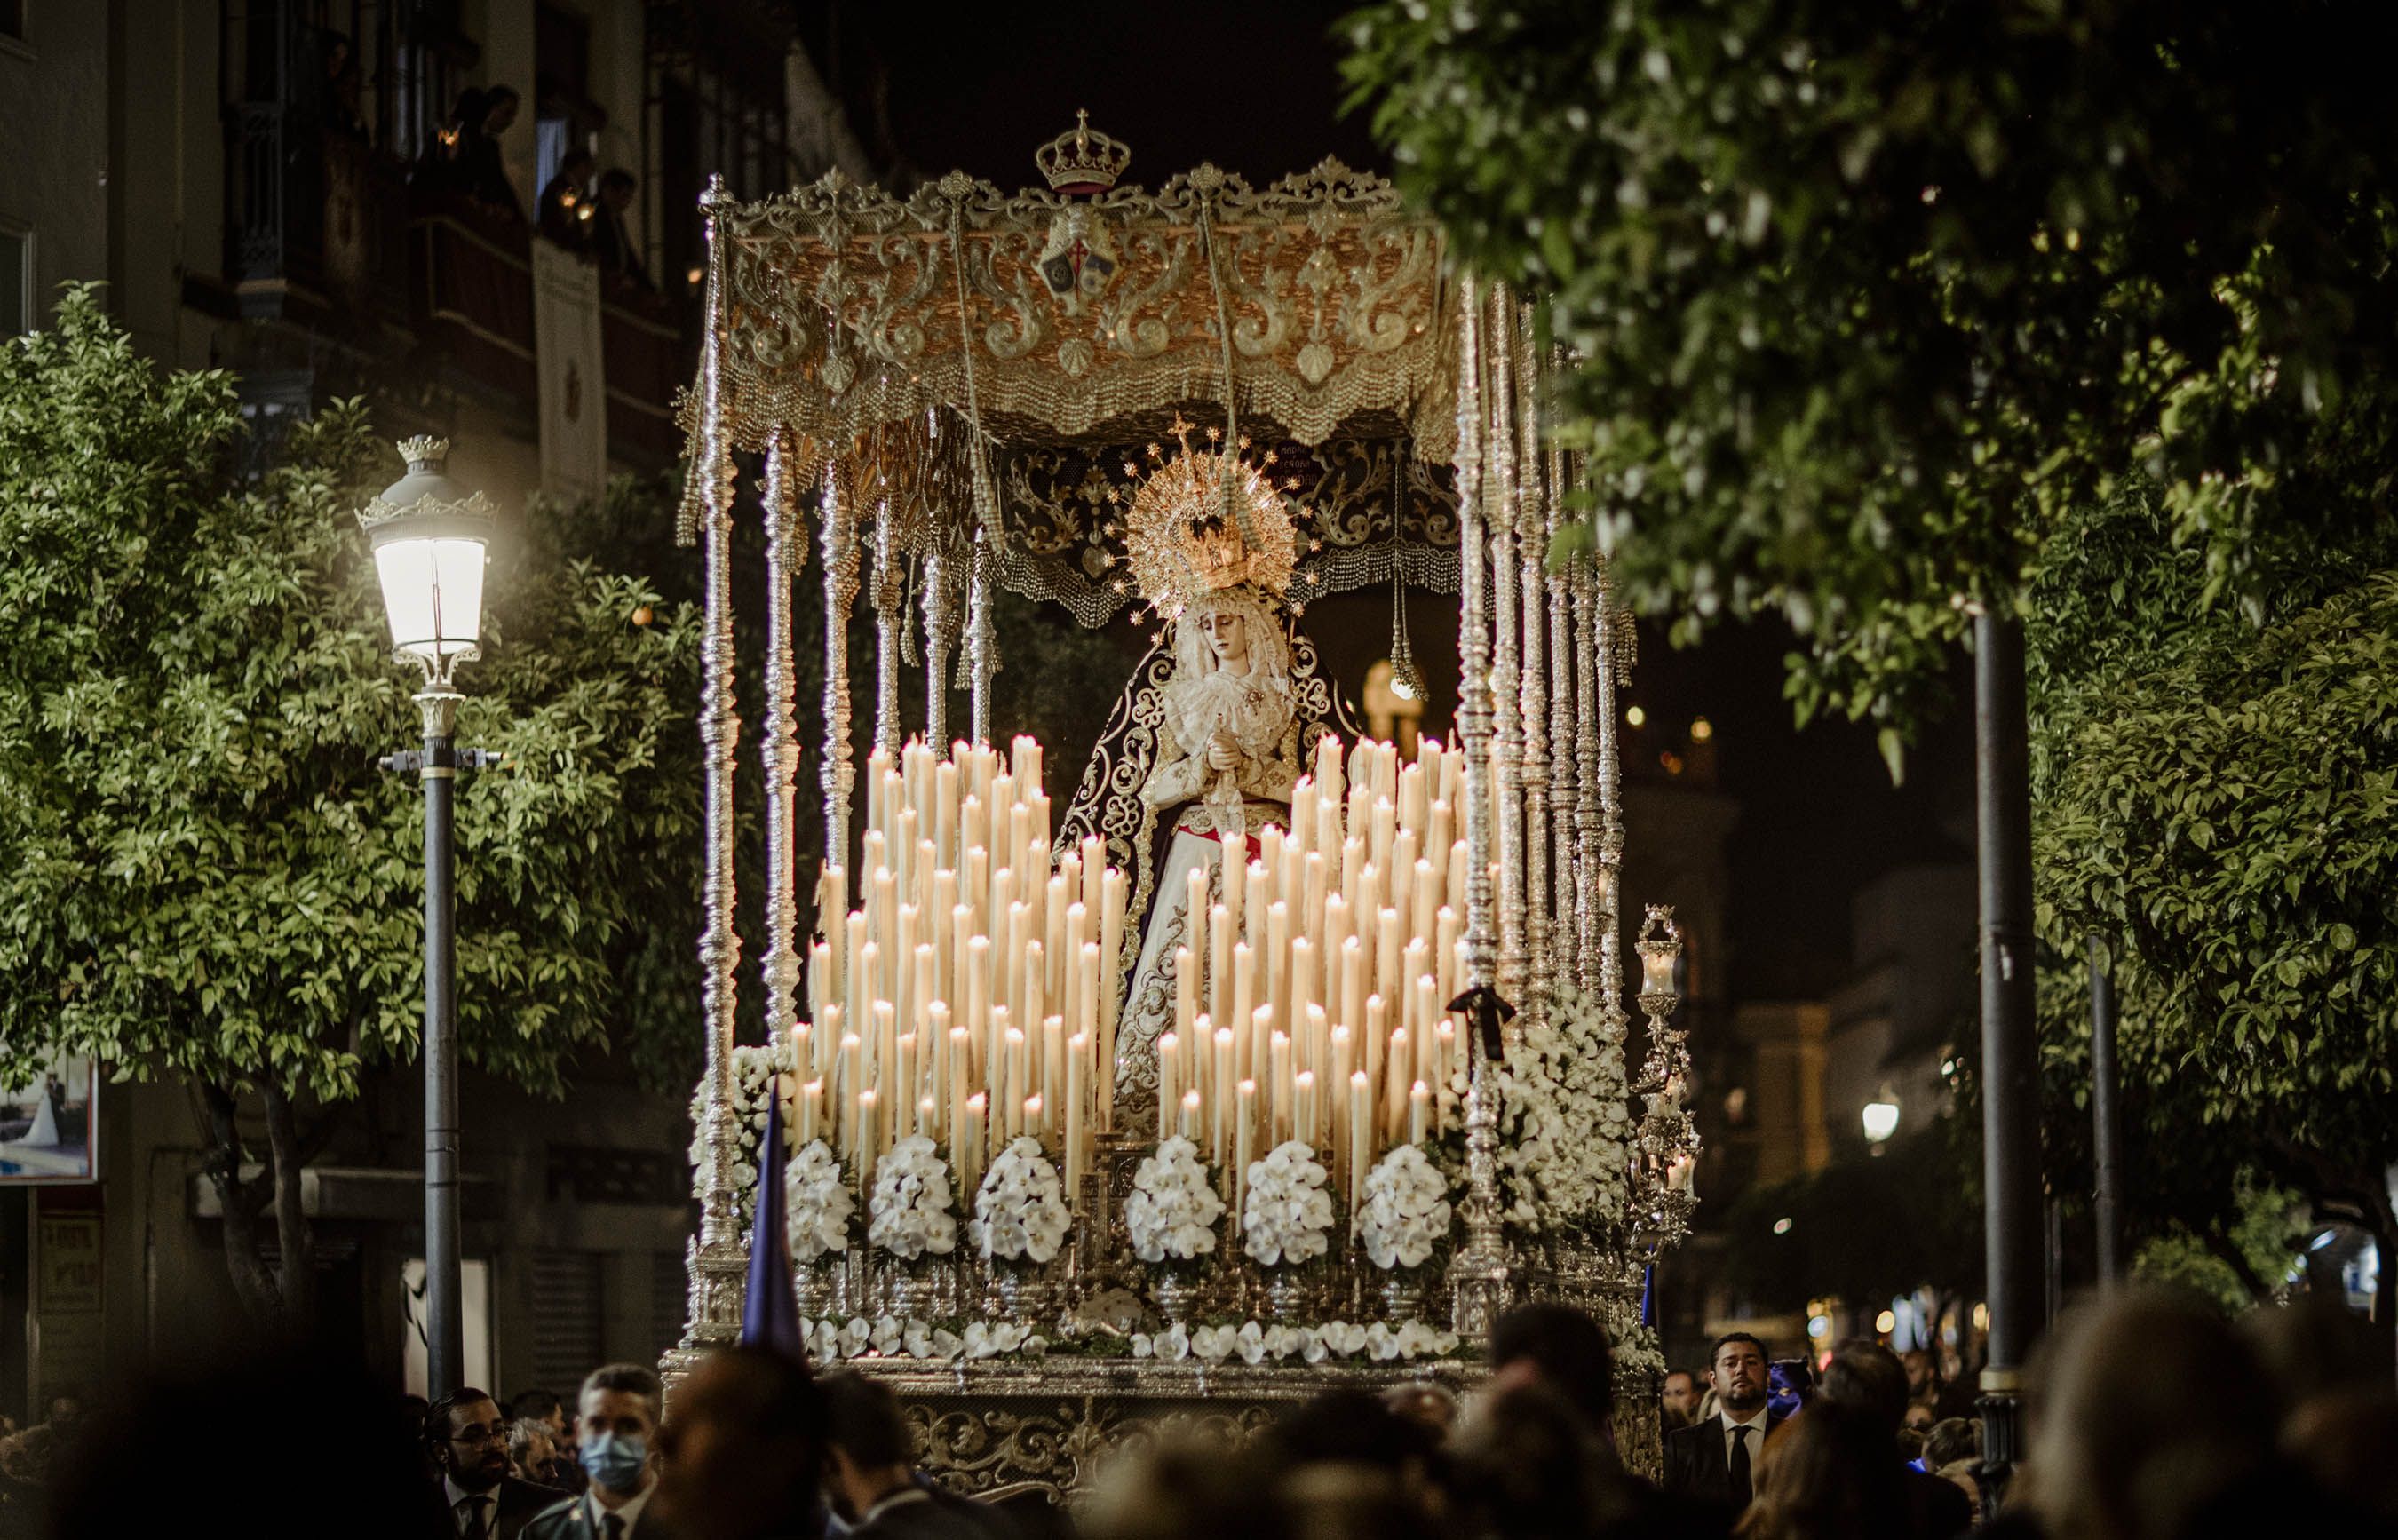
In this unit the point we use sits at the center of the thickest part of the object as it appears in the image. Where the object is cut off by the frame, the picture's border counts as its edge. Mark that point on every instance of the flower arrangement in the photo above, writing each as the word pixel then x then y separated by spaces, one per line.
pixel 1405 1213
pixel 1252 1342
pixel 819 1202
pixel 1021 1209
pixel 832 1340
pixel 1172 1210
pixel 1289 1211
pixel 909 1211
pixel 1568 1119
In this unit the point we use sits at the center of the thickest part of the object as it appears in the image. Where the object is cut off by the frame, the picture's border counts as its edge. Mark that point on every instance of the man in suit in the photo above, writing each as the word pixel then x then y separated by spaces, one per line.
pixel 467 1437
pixel 1867 1378
pixel 615 1428
pixel 872 1475
pixel 1717 1459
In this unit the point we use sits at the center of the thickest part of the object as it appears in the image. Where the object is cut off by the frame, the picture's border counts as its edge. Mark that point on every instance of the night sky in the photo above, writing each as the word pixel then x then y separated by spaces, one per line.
pixel 1254 89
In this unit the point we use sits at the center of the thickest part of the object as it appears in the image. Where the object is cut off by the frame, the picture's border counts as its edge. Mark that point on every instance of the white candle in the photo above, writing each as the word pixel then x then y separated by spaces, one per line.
pixel 1019 1077
pixel 903 1087
pixel 970 1170
pixel 1113 893
pixel 1227 1080
pixel 1078 1053
pixel 961 1066
pixel 1361 1141
pixel 1282 1087
pixel 868 1140
pixel 1189 1127
pixel 1245 1120
pixel 1219 962
pixel 1419 1113
pixel 1303 1108
pixel 811 1113
pixel 1169 1070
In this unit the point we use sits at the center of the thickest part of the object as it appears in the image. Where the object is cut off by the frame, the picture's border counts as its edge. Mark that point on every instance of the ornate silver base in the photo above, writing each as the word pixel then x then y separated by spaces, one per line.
pixel 998 1430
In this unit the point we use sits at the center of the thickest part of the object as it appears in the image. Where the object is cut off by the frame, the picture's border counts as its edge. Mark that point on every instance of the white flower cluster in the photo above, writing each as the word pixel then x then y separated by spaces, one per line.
pixel 1288 1209
pixel 754 1068
pixel 832 1340
pixel 1406 1212
pixel 1253 1343
pixel 910 1206
pixel 1172 1209
pixel 818 1201
pixel 1021 1209
pixel 1568 1119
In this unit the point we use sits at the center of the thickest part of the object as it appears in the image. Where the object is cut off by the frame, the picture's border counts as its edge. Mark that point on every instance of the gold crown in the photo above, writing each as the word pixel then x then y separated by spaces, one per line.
pixel 1082 159
pixel 423 447
pixel 1205 521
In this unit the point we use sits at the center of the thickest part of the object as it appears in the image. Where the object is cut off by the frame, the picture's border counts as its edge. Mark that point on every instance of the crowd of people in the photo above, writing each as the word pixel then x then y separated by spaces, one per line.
pixel 2151 1418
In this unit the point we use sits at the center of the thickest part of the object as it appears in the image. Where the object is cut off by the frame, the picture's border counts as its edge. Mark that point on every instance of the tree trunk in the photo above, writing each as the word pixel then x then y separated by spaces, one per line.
pixel 241 1202
pixel 294 1238
pixel 2229 1253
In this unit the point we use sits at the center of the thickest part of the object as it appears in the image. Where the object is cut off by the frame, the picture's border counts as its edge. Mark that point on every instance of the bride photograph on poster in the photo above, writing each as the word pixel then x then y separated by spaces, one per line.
pixel 45 1124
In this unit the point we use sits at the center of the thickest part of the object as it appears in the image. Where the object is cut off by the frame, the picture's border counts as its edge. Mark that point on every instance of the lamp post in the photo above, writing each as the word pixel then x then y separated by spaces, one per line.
pixel 429 536
pixel 1665 1158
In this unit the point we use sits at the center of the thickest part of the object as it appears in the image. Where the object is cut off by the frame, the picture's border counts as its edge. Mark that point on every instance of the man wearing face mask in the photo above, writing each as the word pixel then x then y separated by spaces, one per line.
pixel 615 1427
pixel 467 1437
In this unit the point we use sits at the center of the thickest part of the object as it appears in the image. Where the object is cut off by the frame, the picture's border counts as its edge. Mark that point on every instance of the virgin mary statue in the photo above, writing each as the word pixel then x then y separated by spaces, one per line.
pixel 1198 758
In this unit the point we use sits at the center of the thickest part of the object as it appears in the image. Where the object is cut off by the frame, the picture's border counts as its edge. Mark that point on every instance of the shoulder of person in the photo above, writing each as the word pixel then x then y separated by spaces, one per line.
pixel 561 1520
pixel 530 1496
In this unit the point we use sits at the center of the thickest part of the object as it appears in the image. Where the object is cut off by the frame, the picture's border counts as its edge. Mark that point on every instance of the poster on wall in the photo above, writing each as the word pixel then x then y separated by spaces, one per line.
pixel 47 1132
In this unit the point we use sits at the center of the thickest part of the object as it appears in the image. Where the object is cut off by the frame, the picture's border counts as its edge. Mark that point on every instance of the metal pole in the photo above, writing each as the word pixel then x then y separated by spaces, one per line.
pixel 2107 1116
pixel 2010 1055
pixel 445 1341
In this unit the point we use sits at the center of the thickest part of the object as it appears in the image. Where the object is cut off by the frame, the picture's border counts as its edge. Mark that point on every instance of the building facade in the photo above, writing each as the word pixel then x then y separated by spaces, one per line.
pixel 282 188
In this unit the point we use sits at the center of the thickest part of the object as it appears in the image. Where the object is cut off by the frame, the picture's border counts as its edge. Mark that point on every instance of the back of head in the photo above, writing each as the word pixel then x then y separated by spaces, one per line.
pixel 1567 1349
pixel 144 1463
pixel 1866 1377
pixel 2151 1406
pixel 535 1404
pixel 1828 1473
pixel 2316 1345
pixel 1951 1439
pixel 864 1422
pixel 1523 1456
pixel 744 1449
pixel 1190 1485
pixel 1353 1427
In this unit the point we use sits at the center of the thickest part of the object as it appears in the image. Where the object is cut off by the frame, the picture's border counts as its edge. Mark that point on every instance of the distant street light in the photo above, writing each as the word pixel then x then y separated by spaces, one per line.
pixel 1881 1121
pixel 428 536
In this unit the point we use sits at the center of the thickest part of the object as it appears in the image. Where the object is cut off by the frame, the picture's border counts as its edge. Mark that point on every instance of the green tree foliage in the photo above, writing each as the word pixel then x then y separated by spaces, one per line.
pixel 1867 294
pixel 2217 801
pixel 204 878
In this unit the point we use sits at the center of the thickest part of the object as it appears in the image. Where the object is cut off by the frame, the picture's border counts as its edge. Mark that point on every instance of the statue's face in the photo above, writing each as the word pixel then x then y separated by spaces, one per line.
pixel 1227 636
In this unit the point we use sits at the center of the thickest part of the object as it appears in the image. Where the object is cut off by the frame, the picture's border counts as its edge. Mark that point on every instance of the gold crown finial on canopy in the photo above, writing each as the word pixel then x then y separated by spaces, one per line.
pixel 424 448
pixel 1082 159
pixel 1205 519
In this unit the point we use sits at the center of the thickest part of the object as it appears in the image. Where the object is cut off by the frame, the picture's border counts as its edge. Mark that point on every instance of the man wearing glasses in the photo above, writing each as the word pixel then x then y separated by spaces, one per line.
pixel 466 1436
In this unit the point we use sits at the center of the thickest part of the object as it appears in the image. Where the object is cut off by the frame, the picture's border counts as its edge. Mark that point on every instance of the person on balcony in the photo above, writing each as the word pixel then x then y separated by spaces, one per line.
pixel 483 176
pixel 568 212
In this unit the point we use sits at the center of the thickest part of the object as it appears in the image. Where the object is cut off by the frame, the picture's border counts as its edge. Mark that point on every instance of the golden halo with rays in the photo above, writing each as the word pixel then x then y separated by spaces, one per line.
pixel 1180 538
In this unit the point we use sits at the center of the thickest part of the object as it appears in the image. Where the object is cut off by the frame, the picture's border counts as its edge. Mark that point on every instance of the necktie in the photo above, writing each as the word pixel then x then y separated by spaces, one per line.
pixel 473 1523
pixel 1741 1489
pixel 615 1524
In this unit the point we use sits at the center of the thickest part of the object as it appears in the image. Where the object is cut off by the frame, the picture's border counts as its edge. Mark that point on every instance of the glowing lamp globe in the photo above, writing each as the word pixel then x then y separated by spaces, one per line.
pixel 429 534
pixel 1882 1120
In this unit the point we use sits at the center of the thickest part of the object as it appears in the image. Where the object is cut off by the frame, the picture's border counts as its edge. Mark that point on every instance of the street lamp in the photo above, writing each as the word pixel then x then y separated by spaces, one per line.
pixel 1881 1121
pixel 429 536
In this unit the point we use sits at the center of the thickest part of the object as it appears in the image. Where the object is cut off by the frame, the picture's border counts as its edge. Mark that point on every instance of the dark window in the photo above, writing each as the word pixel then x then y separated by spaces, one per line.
pixel 16 279
pixel 12 18
pixel 567 1339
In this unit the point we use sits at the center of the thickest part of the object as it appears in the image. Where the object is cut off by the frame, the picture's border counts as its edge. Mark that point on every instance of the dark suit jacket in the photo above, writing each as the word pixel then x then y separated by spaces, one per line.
pixel 571 1520
pixel 518 1502
pixel 940 1515
pixel 1936 1509
pixel 1695 1465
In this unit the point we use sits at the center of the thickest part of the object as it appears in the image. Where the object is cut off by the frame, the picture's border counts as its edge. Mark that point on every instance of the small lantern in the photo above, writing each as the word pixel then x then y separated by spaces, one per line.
pixel 428 534
pixel 1661 950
